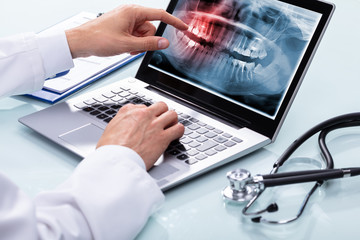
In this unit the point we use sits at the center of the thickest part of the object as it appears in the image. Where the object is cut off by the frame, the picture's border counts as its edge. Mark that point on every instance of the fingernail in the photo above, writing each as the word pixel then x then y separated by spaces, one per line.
pixel 162 43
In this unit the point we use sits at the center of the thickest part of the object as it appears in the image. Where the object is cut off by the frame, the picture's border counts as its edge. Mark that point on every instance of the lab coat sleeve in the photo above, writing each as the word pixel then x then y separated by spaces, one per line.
pixel 27 59
pixel 109 196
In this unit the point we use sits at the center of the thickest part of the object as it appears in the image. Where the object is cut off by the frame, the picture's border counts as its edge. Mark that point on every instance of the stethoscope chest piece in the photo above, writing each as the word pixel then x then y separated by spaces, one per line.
pixel 238 190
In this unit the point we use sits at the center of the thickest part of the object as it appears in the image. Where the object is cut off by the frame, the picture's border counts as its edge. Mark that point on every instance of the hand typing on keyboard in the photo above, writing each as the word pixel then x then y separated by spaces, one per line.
pixel 146 130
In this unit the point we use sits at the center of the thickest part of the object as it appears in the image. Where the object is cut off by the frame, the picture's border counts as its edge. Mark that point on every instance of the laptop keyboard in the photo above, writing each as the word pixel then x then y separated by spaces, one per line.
pixel 199 141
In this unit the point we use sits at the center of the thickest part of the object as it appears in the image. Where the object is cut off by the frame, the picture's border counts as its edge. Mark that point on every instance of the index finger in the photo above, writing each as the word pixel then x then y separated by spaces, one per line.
pixel 152 14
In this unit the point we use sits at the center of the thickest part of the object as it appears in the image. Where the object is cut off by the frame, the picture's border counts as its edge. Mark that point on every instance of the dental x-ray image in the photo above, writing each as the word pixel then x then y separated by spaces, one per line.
pixel 243 50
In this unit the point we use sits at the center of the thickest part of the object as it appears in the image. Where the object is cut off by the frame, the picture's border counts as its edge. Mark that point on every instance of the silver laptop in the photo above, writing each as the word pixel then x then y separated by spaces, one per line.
pixel 231 78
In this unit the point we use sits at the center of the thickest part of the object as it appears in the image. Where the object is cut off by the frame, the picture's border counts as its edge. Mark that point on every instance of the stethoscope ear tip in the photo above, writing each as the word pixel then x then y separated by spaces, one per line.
pixel 256 219
pixel 273 207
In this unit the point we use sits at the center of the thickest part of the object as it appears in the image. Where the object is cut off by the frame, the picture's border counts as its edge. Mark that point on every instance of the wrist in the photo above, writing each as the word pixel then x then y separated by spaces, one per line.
pixel 75 41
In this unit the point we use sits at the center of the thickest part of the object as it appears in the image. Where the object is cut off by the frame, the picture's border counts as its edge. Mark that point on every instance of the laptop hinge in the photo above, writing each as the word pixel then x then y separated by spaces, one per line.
pixel 237 124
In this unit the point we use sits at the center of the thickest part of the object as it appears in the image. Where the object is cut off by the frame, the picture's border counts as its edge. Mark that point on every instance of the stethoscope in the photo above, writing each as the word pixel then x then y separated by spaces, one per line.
pixel 246 188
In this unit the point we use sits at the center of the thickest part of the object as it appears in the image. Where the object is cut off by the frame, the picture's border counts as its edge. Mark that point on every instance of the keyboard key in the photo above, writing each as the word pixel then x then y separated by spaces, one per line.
pixel 200 156
pixel 192 152
pixel 108 119
pixel 102 116
pixel 194 135
pixel 148 104
pixel 202 131
pixel 117 98
pixel 109 95
pixel 182 157
pixel 124 94
pixel 186 123
pixel 117 91
pixel 185 116
pixel 182 147
pixel 90 101
pixel 174 152
pixel 220 148
pixel 210 152
pixel 138 101
pixel 116 106
pixel 187 131
pixel 235 139
pixel 103 108
pixel 209 127
pixel 131 98
pixel 125 88
pixel 194 120
pixel 210 135
pixel 220 139
pixel 193 127
pixel 218 131
pixel 108 102
pixel 201 139
pixel 229 144
pixel 140 95
pixel 201 123
pixel 81 105
pixel 206 146
pixel 124 102
pixel 194 144
pixel 227 135
pixel 191 161
pixel 110 112
pixel 185 140
pixel 175 143
pixel 96 112
pixel 88 109
pixel 101 98
pixel 96 105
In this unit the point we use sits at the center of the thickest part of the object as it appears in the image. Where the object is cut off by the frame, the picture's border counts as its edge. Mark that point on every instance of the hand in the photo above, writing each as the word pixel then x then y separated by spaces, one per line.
pixel 124 29
pixel 146 130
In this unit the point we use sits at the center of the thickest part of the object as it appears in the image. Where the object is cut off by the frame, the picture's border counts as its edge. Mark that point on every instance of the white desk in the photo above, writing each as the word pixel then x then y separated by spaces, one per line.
pixel 195 210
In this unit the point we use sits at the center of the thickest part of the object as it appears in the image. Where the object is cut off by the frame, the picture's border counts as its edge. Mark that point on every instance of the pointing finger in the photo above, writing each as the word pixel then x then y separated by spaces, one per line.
pixel 151 14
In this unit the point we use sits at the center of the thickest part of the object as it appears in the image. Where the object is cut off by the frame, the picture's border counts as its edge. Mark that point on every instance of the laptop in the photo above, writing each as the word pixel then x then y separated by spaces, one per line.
pixel 231 77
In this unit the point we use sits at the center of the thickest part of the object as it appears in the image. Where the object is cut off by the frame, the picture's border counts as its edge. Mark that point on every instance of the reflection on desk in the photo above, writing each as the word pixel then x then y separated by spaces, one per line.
pixel 195 210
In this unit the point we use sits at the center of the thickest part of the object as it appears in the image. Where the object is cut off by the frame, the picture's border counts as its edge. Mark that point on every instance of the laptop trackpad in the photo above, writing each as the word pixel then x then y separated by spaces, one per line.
pixel 84 138
pixel 163 170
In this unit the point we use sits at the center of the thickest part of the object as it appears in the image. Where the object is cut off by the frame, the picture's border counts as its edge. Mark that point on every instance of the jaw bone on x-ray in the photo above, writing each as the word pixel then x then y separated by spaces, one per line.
pixel 245 50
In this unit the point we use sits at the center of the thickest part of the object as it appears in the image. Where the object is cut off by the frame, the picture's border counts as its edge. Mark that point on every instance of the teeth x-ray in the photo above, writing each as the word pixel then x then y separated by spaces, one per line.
pixel 246 51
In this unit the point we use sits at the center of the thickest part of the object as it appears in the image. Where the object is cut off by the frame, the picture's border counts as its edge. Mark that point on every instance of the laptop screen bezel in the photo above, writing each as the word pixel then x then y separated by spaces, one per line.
pixel 230 111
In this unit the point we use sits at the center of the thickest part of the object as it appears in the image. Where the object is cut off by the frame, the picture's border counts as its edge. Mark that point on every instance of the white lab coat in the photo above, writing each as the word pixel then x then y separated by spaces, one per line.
pixel 109 196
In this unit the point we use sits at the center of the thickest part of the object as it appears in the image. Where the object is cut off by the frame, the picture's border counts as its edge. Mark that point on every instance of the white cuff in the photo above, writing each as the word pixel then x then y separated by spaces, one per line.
pixel 116 150
pixel 55 52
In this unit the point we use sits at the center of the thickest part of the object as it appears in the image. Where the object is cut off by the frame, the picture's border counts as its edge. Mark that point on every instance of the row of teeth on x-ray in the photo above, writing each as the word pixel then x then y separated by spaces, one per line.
pixel 223 39
pixel 206 55
pixel 235 54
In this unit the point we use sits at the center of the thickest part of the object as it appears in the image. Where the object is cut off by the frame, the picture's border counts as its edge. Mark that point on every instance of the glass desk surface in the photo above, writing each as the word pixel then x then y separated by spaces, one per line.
pixel 195 209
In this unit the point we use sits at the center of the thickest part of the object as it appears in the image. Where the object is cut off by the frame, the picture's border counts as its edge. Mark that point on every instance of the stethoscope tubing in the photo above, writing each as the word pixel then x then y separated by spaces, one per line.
pixel 279 179
pixel 345 120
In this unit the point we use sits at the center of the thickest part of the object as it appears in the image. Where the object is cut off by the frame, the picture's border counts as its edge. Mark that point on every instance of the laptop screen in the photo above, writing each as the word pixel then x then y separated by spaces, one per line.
pixel 244 51
pixel 238 54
